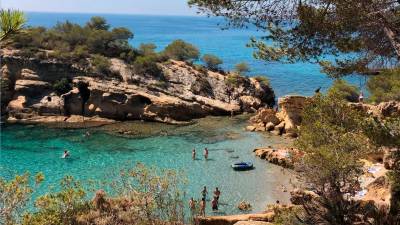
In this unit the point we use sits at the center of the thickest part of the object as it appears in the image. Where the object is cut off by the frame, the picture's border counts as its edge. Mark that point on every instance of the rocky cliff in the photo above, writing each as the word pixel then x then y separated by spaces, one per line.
pixel 182 93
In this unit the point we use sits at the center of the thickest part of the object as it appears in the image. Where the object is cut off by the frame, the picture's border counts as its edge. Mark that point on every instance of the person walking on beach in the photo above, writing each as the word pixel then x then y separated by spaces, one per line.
pixel 204 192
pixel 214 204
pixel 194 154
pixel 217 193
pixel 206 153
pixel 203 207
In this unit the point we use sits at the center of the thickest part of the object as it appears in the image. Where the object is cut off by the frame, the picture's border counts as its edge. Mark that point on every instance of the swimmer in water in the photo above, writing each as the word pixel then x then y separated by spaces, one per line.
pixel 66 154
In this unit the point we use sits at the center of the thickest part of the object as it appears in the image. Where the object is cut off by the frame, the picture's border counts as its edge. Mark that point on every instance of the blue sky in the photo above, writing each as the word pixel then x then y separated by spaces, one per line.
pixel 152 7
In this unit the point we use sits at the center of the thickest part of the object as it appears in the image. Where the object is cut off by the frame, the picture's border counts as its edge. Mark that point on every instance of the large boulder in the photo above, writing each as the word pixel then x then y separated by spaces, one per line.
pixel 291 108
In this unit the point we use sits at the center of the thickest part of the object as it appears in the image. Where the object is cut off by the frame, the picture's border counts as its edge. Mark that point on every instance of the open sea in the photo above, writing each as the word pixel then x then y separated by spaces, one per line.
pixel 100 156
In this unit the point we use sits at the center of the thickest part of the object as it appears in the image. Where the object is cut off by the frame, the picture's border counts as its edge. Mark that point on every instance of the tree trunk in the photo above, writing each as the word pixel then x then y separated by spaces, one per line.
pixel 394 40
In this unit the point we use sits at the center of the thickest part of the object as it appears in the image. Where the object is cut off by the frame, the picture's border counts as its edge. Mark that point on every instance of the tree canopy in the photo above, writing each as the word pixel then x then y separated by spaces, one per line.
pixel 181 50
pixel 11 22
pixel 361 35
pixel 212 62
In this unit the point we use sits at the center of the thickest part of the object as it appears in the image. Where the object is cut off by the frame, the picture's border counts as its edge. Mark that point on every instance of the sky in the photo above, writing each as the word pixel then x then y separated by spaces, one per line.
pixel 148 7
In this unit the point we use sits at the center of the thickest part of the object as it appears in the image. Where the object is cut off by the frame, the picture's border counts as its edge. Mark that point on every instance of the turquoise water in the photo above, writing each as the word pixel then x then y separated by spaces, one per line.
pixel 229 45
pixel 99 157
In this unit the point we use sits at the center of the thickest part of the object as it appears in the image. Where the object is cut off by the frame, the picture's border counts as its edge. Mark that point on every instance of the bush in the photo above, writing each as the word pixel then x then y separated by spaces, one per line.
pixel 233 80
pixel 344 90
pixel 385 87
pixel 242 68
pixel 101 64
pixel 147 49
pixel 147 65
pixel 62 86
pixel 212 62
pixel 262 80
pixel 183 51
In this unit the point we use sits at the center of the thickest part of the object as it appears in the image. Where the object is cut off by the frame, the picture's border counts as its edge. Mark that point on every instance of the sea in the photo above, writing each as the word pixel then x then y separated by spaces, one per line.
pixel 38 148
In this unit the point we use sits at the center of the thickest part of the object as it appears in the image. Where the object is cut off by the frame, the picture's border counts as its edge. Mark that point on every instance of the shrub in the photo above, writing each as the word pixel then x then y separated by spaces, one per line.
pixel 62 86
pixel 212 62
pixel 101 64
pixel 385 87
pixel 183 51
pixel 242 68
pixel 262 80
pixel 343 90
pixel 147 65
pixel 233 79
pixel 147 49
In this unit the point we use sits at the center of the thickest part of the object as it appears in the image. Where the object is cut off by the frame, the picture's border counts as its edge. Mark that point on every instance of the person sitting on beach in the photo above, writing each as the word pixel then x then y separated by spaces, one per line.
pixel 217 193
pixel 66 154
pixel 203 207
pixel 206 153
pixel 214 204
pixel 194 154
pixel 204 192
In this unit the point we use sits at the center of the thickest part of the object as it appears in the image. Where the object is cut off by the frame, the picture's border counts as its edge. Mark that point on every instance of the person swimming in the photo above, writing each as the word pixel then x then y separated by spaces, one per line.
pixel 66 154
pixel 194 154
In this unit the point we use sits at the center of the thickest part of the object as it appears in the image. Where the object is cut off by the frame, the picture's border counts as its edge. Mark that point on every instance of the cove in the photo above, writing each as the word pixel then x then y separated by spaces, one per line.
pixel 29 148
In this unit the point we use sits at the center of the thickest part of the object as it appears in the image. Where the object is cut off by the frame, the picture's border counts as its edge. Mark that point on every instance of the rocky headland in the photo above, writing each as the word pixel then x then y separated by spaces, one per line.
pixel 183 92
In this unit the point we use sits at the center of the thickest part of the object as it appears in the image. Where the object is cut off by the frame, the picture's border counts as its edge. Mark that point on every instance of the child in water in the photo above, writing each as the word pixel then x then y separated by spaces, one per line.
pixel 66 154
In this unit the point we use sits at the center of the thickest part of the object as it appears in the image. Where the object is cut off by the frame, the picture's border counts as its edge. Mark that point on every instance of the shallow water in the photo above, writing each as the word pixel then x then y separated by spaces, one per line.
pixel 38 149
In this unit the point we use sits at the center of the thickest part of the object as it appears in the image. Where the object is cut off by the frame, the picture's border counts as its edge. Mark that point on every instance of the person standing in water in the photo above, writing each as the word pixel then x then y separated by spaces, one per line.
pixel 203 207
pixel 204 192
pixel 214 204
pixel 194 154
pixel 217 193
pixel 206 153
pixel 192 206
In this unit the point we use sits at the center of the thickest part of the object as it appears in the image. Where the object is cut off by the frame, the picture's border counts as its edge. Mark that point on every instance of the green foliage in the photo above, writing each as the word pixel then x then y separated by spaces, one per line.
pixel 333 138
pixel 344 90
pixel 310 31
pixel 242 68
pixel 233 79
pixel 70 41
pixel 62 207
pixel 62 86
pixel 147 49
pixel 181 50
pixel 212 62
pixel 263 80
pixel 101 64
pixel 147 65
pixel 97 23
pixel 385 86
pixel 11 22
pixel 14 196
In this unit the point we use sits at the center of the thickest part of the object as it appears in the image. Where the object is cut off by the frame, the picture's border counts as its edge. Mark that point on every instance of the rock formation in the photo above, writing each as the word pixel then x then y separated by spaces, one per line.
pixel 285 122
pixel 284 157
pixel 182 92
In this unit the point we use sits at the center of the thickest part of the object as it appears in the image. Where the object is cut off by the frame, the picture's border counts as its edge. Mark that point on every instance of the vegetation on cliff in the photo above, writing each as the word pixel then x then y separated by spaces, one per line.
pixel 385 86
pixel 335 136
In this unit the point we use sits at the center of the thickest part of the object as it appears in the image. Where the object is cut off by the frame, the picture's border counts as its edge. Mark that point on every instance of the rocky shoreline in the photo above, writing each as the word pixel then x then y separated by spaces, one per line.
pixel 184 92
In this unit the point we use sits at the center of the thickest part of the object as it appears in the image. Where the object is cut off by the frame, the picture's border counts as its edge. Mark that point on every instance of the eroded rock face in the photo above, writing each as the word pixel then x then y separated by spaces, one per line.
pixel 285 122
pixel 284 157
pixel 182 92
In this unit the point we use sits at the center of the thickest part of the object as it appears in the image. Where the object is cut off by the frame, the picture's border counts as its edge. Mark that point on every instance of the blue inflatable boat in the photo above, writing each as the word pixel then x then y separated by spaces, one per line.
pixel 243 166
